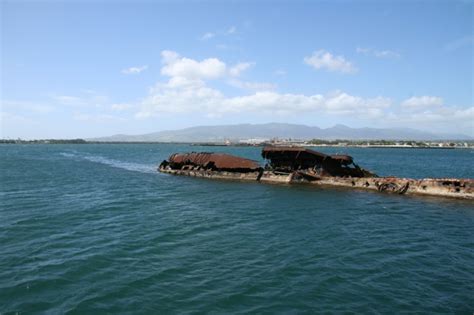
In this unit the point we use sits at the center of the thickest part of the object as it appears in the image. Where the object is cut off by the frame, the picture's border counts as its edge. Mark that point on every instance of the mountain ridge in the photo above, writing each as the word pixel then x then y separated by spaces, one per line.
pixel 220 133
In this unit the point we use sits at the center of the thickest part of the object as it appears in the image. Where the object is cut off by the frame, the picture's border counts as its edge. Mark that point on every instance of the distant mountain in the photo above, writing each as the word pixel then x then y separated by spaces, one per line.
pixel 282 131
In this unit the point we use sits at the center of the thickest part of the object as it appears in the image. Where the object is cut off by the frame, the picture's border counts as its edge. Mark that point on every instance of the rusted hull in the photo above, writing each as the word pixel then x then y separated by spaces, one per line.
pixel 210 160
pixel 453 188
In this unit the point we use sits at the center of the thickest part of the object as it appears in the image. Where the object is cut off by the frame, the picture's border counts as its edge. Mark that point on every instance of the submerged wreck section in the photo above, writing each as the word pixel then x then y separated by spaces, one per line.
pixel 291 159
pixel 301 165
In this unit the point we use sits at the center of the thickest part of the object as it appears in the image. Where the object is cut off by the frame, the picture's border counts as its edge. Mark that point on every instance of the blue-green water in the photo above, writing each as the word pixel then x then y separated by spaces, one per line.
pixel 95 229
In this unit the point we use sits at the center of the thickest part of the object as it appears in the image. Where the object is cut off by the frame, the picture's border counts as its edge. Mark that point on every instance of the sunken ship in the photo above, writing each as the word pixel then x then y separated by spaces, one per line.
pixel 299 165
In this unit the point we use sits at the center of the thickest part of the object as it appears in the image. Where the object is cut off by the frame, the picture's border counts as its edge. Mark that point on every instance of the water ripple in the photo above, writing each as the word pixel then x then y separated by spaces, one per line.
pixel 86 229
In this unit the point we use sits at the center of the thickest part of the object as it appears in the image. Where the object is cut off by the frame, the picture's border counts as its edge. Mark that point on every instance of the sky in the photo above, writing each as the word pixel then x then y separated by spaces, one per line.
pixel 82 69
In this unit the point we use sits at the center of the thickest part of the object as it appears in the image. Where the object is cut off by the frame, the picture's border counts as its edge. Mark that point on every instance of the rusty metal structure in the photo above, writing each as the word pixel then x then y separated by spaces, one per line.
pixel 300 165
pixel 291 159
pixel 211 161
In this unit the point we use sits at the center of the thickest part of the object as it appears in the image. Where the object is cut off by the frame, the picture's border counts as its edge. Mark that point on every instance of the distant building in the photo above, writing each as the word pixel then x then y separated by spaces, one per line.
pixel 253 141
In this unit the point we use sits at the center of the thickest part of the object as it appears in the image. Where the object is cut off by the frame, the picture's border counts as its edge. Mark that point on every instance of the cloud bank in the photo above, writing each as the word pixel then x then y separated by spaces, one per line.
pixel 188 90
pixel 213 88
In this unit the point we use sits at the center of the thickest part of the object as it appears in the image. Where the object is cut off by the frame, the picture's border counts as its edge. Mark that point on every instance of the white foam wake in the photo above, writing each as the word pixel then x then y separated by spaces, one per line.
pixel 129 166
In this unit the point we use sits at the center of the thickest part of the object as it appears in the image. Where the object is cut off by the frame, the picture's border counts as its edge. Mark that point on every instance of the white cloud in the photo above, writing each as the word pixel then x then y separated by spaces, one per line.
pixel 279 72
pixel 378 53
pixel 227 32
pixel 297 104
pixel 430 113
pixel 68 100
pixel 181 70
pixel 134 70
pixel 192 95
pixel 28 107
pixel 186 91
pixel 420 102
pixel 97 118
pixel 439 119
pixel 207 36
pixel 257 86
pixel 236 70
pixel 10 118
pixel 202 99
pixel 121 107
pixel 176 66
pixel 189 73
pixel 92 107
pixel 386 54
pixel 322 59
pixel 343 103
pixel 90 99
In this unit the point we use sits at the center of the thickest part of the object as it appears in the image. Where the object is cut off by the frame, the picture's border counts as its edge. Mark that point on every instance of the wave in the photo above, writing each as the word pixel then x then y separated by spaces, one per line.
pixel 129 166
pixel 68 155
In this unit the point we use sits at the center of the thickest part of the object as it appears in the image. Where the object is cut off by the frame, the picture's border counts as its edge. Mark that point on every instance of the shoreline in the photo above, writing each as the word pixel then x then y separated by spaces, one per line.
pixel 376 146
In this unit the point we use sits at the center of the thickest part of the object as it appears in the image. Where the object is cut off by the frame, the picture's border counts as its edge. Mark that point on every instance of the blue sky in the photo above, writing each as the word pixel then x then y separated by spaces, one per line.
pixel 85 68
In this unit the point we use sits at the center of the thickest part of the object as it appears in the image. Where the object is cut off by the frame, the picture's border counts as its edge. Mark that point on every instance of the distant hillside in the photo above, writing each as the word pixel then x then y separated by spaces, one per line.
pixel 280 130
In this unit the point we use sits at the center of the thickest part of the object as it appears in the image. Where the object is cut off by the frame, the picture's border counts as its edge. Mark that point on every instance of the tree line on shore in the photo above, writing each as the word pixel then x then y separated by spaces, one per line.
pixel 43 141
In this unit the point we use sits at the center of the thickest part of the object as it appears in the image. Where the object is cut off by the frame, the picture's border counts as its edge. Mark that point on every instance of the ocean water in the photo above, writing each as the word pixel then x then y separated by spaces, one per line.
pixel 90 229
